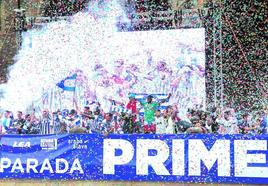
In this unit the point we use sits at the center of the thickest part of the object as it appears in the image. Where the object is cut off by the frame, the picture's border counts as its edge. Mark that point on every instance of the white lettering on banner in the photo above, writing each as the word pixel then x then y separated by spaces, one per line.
pixel 219 152
pixel 22 144
pixel 17 166
pixel 178 161
pixel 157 161
pixel 32 164
pixel 46 166
pixel 109 158
pixel 242 158
pixel 58 163
pixel 76 167
pixel 4 163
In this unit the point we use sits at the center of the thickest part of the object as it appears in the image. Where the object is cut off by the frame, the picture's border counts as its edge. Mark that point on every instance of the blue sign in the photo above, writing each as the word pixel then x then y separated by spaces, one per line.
pixel 211 158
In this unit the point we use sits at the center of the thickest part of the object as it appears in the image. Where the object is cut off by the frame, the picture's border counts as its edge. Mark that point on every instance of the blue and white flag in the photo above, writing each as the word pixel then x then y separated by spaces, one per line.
pixel 117 107
pixel 157 97
pixel 143 96
pixel 68 84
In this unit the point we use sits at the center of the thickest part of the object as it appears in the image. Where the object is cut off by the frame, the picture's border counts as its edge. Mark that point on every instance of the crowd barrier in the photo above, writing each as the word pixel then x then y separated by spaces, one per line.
pixel 197 158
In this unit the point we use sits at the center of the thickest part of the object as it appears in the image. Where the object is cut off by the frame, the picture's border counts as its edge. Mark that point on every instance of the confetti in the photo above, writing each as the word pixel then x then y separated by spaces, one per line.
pixel 111 67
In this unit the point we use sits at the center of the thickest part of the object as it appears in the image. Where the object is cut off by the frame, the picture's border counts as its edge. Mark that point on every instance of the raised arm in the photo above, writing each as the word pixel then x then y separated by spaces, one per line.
pixel 76 106
pixel 116 102
pixel 167 99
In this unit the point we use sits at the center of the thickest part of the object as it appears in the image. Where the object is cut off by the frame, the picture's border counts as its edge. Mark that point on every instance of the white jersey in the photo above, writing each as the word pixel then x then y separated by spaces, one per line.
pixel 170 126
pixel 228 127
pixel 160 125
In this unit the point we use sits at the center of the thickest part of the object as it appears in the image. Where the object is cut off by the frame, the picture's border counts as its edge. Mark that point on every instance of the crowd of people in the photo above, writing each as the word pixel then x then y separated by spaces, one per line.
pixel 132 121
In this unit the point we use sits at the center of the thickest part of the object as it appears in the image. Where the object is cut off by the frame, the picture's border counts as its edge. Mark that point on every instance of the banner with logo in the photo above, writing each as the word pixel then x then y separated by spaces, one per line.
pixel 167 158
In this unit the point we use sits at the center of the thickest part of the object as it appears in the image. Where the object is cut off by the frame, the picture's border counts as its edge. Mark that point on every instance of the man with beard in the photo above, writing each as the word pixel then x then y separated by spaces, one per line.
pixel 150 108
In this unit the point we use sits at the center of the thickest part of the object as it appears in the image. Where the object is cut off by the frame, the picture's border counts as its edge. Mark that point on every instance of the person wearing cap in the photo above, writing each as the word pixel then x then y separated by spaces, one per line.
pixel 150 108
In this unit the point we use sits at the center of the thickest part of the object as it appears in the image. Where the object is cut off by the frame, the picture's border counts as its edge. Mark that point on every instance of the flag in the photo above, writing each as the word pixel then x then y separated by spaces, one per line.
pixel 68 84
pixel 117 107
pixel 45 98
pixel 143 96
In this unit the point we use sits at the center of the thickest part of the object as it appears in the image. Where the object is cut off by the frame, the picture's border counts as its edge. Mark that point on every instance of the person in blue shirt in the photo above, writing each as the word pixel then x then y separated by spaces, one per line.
pixel 98 118
pixel 6 122
pixel 264 123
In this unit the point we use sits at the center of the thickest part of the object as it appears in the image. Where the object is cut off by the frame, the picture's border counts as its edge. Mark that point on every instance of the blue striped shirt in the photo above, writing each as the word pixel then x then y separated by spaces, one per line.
pixel 45 126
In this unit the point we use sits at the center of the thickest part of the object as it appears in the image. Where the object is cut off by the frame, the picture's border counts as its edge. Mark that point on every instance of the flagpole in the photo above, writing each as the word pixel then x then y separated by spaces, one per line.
pixel 53 101
pixel 74 94
pixel 50 100
pixel 60 96
pixel 42 99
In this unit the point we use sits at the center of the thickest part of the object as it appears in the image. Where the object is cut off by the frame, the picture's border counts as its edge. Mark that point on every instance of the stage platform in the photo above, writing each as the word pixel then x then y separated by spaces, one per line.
pixel 103 183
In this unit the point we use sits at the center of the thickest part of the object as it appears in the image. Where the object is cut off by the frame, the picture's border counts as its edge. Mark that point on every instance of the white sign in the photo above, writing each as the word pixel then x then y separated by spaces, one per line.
pixel 219 153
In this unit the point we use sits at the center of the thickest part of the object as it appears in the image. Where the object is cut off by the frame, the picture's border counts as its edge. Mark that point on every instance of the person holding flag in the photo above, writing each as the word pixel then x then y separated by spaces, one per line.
pixel 68 84
pixel 150 108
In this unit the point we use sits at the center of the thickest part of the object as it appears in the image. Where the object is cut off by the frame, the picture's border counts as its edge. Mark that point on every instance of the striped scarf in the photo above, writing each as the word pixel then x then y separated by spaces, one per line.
pixel 45 126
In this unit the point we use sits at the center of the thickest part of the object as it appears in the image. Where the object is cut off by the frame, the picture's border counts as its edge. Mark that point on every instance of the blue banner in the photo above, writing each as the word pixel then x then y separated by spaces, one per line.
pixel 211 158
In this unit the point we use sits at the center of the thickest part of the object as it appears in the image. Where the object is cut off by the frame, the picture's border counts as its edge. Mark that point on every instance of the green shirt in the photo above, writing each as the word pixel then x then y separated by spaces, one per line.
pixel 149 111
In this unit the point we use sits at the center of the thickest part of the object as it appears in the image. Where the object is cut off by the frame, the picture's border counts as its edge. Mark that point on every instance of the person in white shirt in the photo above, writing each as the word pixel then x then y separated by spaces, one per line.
pixel 5 122
pixel 160 123
pixel 170 129
pixel 228 124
